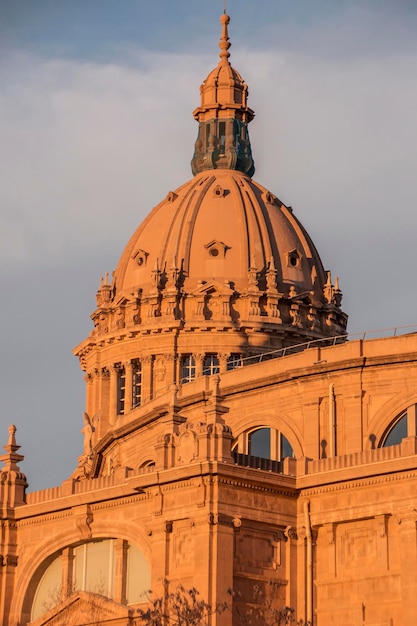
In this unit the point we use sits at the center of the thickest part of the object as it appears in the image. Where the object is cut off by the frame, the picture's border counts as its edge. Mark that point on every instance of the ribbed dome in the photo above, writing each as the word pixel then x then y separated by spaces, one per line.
pixel 222 252
pixel 221 226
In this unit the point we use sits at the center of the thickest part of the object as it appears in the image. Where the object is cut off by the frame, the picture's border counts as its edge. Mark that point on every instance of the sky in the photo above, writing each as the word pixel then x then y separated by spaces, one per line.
pixel 96 101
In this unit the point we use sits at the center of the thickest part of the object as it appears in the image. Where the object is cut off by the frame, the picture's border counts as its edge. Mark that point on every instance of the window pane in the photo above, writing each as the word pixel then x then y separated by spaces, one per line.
pixel 94 567
pixel 99 574
pixel 234 361
pixel 286 448
pixel 138 576
pixel 260 443
pixel 187 369
pixel 48 593
pixel 211 365
pixel 397 432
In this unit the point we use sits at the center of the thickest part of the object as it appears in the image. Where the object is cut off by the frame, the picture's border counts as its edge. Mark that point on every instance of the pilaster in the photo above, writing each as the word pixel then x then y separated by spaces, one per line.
pixel 408 560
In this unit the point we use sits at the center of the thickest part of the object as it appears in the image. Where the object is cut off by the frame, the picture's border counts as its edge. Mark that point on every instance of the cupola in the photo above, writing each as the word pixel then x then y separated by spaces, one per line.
pixel 223 117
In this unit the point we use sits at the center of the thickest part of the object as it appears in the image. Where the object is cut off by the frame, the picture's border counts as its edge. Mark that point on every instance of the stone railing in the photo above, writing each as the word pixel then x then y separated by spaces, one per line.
pixel 407 448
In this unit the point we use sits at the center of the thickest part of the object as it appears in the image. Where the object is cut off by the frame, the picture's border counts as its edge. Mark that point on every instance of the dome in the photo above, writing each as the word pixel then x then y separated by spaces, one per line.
pixel 222 252
pixel 223 232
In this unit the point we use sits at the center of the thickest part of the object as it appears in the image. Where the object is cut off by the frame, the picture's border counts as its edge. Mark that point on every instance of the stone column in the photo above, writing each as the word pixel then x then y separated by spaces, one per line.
pixel 161 534
pixel 412 421
pixel 170 362
pixel 121 553
pixel 408 560
pixel 222 565
pixel 222 356
pixel 147 378
pixel 199 358
pixel 103 399
pixel 89 393
pixel 67 573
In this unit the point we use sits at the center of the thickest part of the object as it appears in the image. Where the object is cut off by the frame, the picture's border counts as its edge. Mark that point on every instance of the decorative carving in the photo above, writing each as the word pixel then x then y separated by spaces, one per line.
pixel 183 547
pixel 171 196
pixel 187 446
pixel 160 369
pixel 253 276
pixel 271 277
pixel 87 432
pixel 291 533
pixel 83 519
pixel 218 191
pixel 295 315
pixel 105 292
pixel 313 318
pixel 257 549
pixel 120 318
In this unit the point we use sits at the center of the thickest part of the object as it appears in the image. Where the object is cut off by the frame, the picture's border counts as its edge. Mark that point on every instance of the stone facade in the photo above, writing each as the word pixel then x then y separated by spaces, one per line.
pixel 232 436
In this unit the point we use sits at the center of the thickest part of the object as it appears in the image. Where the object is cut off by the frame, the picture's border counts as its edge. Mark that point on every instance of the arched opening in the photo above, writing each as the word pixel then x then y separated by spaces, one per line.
pixel 269 443
pixel 112 568
pixel 149 464
pixel 262 447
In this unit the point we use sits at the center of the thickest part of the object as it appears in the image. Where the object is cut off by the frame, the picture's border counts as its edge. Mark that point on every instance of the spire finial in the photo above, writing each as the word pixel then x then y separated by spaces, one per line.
pixel 11 458
pixel 223 116
pixel 224 43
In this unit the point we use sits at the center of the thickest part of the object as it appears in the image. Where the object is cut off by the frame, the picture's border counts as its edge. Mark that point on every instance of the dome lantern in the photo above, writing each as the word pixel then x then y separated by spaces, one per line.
pixel 223 117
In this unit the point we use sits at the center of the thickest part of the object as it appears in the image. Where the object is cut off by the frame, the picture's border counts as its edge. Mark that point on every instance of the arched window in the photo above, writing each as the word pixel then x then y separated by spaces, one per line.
pixel 92 567
pixel 265 443
pixel 147 465
pixel 396 432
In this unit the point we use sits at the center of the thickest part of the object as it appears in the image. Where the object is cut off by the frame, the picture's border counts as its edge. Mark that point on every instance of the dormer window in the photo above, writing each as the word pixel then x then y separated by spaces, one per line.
pixel 216 249
pixel 141 257
pixel 294 259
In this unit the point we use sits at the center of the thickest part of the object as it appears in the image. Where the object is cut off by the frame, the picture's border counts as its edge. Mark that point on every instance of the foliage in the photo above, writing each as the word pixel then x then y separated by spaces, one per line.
pixel 184 607
pixel 263 608
pixel 181 607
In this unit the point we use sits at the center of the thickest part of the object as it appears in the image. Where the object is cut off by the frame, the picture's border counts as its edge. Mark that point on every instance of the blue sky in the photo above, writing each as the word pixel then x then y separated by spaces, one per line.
pixel 96 99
